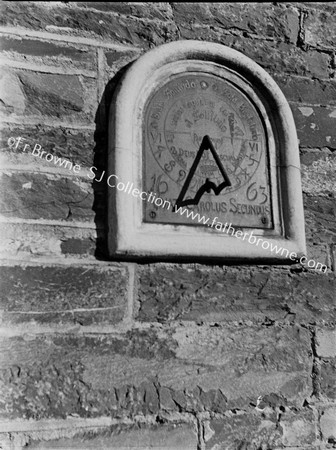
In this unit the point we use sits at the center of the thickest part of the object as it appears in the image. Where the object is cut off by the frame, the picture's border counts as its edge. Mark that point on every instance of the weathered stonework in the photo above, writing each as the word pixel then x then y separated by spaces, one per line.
pixel 179 293
pixel 103 354
pixel 60 295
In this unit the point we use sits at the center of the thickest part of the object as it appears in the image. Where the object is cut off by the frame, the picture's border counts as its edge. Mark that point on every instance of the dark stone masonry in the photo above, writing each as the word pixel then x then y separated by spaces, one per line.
pixel 99 354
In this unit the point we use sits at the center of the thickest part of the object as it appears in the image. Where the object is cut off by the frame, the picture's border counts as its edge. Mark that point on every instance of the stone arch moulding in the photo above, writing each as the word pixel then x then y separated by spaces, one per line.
pixel 193 117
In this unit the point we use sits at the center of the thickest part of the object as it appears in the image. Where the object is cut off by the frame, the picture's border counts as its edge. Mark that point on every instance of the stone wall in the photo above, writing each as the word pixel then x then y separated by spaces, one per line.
pixel 99 354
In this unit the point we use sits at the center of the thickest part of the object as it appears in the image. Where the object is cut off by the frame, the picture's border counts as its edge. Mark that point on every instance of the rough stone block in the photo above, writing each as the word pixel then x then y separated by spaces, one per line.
pixel 326 343
pixel 49 53
pixel 298 429
pixel 57 95
pixel 320 213
pixel 274 21
pixel 318 173
pixel 318 257
pixel 319 158
pixel 63 96
pixel 201 362
pixel 315 126
pixel 328 425
pixel 24 241
pixel 319 28
pixel 327 379
pixel 325 6
pixel 113 28
pixel 307 91
pixel 45 377
pixel 57 91
pixel 122 8
pixel 77 146
pixel 141 437
pixel 175 293
pixel 75 246
pixel 38 196
pixel 242 432
pixel 12 99
pixel 122 374
pixel 117 60
pixel 161 11
pixel 275 57
pixel 58 294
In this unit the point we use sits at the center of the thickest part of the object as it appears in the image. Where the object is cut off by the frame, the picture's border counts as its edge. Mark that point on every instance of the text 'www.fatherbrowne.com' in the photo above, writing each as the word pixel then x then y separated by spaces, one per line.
pixel 114 182
pixel 128 188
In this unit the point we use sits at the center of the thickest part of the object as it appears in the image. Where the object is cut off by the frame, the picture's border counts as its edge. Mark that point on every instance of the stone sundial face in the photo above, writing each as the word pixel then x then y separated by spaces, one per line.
pixel 207 138
pixel 201 131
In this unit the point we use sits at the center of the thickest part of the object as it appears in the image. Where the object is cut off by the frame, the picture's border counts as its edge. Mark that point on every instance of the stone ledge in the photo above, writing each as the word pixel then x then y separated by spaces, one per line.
pixel 102 433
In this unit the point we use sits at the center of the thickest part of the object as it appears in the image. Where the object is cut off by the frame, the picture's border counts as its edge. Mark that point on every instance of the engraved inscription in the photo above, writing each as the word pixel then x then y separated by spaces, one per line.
pixel 176 119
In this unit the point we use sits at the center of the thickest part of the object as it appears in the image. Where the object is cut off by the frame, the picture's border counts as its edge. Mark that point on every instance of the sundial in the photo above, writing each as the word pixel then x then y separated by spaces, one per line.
pixel 198 127
pixel 205 147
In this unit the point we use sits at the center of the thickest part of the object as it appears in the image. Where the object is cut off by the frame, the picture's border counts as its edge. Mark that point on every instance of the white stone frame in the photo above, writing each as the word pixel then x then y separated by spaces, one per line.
pixel 129 237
